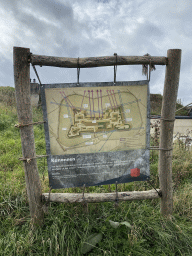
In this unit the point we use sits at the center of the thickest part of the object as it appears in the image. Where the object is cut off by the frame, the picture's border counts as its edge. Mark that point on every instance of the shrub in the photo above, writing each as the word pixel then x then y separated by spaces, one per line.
pixel 7 95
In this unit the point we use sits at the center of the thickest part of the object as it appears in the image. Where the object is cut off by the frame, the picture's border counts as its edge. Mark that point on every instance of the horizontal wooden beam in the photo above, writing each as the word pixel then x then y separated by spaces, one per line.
pixel 99 197
pixel 64 62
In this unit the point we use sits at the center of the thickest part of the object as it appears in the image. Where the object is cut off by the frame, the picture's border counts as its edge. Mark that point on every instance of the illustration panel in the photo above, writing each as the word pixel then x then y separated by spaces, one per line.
pixel 95 120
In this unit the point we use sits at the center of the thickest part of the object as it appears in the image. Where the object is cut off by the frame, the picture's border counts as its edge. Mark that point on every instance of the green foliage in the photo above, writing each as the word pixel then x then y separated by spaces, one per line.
pixel 90 242
pixel 156 104
pixel 182 166
pixel 132 228
pixel 5 122
pixel 183 201
pixel 7 95
pixel 181 112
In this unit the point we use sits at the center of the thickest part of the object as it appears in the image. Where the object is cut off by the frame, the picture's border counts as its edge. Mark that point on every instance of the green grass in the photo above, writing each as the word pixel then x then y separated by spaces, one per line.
pixel 68 226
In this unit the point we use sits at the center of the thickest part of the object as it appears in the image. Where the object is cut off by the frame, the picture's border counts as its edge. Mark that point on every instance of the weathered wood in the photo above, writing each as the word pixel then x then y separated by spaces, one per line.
pixel 166 130
pixel 100 197
pixel 95 61
pixel 24 111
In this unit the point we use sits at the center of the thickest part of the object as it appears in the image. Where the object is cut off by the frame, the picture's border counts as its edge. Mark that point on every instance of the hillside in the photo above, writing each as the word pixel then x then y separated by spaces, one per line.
pixel 156 103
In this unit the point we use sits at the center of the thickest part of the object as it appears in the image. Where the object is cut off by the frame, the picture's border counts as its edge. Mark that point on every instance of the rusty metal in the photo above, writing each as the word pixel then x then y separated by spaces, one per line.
pixel 78 71
pixel 29 159
pixel 116 199
pixel 115 69
pixel 158 192
pixel 156 148
pixel 36 74
pixel 22 125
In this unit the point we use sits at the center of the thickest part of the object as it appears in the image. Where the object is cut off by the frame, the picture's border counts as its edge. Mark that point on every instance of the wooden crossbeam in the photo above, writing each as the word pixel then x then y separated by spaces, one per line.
pixel 100 197
pixel 95 61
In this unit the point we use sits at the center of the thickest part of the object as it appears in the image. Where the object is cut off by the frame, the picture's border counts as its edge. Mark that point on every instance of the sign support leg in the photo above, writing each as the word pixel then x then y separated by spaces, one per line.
pixel 166 131
pixel 24 111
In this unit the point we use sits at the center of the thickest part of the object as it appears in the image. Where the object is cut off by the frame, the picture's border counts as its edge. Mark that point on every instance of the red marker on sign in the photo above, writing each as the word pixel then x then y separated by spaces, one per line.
pixel 135 172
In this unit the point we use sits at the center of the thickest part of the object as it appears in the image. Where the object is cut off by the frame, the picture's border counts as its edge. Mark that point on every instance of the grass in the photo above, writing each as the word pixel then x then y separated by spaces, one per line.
pixel 67 227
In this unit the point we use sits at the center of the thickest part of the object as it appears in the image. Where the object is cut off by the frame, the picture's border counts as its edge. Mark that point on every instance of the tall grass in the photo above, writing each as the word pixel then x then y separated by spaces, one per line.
pixel 67 227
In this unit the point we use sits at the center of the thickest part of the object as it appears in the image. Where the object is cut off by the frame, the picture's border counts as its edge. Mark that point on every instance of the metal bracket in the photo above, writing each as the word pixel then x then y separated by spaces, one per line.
pixel 22 125
pixel 164 149
pixel 48 201
pixel 29 159
pixel 84 201
pixel 37 75
pixel 159 193
pixel 78 71
pixel 116 199
pixel 29 57
pixel 115 69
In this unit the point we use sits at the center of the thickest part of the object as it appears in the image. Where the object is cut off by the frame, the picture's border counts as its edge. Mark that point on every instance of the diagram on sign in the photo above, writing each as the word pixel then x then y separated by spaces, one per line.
pixel 96 119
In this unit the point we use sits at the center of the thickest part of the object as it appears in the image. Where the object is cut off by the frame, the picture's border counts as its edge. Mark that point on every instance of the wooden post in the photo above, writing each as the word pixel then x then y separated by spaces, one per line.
pixel 166 130
pixel 24 111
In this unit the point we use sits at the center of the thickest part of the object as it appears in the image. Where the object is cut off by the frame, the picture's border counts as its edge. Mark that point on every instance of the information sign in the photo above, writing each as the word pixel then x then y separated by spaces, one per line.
pixel 96 133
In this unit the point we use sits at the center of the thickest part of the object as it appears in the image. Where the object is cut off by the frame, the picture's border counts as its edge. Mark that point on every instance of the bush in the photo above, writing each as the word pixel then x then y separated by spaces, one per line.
pixel 7 96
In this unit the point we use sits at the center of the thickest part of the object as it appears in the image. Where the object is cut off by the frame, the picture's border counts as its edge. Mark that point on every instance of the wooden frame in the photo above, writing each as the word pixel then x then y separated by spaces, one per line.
pixel 22 59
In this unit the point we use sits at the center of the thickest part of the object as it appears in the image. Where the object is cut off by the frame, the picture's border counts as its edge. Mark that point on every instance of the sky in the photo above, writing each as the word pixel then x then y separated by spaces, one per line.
pixel 92 28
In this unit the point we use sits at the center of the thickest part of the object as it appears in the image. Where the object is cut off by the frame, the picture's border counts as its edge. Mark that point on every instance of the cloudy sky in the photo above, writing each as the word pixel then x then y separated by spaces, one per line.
pixel 91 28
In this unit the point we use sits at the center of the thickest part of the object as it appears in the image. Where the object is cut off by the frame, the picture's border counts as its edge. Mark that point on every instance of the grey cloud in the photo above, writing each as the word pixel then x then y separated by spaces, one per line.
pixel 30 23
pixel 51 10
pixel 54 9
pixel 186 61
pixel 63 33
pixel 142 40
pixel 149 30
pixel 6 72
pixel 96 47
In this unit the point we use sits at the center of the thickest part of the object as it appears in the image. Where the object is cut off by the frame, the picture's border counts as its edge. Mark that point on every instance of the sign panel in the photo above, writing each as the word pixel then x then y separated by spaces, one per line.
pixel 96 133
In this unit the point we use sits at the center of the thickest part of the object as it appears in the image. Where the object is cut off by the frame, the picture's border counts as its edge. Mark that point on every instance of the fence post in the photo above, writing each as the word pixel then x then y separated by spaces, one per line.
pixel 166 131
pixel 24 111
